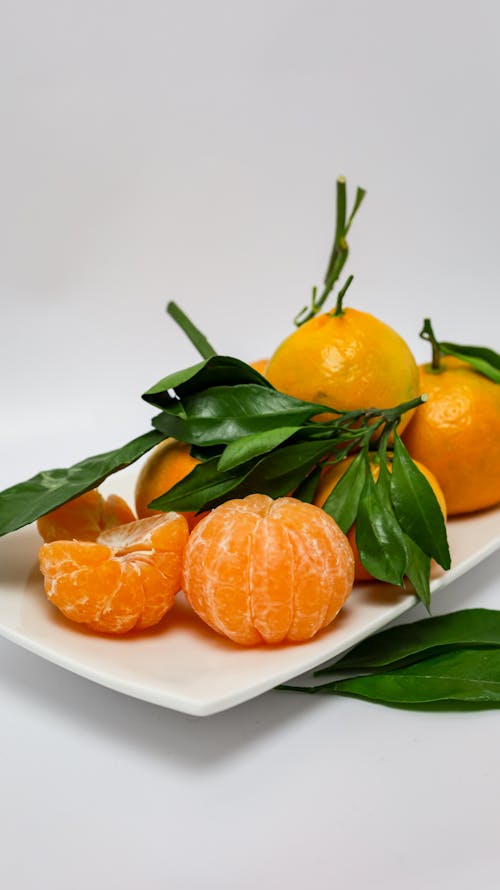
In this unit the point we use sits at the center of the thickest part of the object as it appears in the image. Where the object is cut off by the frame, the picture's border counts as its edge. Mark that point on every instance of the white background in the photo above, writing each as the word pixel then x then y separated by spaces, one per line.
pixel 188 151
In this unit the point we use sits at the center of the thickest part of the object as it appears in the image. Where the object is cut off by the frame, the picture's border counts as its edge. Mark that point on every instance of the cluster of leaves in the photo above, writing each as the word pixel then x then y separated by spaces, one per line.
pixel 251 438
pixel 482 359
pixel 451 661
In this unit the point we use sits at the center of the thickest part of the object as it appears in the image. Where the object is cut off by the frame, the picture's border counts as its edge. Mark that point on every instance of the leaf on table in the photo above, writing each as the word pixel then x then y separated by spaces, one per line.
pixel 408 643
pixel 462 676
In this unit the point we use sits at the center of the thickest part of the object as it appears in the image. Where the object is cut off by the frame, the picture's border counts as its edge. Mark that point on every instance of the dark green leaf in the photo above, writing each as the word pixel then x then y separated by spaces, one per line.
pixel 196 337
pixel 408 643
pixel 464 676
pixel 342 503
pixel 244 449
pixel 379 537
pixel 484 360
pixel 220 370
pixel 418 571
pixel 224 414
pixel 307 488
pixel 27 501
pixel 204 484
pixel 279 473
pixel 416 506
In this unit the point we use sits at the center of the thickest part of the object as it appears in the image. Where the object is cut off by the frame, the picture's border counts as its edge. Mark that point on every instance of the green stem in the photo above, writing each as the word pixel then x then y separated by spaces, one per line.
pixel 198 339
pixel 338 307
pixel 428 334
pixel 338 254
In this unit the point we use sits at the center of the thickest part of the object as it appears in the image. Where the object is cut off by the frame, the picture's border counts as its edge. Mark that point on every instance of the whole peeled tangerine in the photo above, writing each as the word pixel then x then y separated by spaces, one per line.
pixel 259 570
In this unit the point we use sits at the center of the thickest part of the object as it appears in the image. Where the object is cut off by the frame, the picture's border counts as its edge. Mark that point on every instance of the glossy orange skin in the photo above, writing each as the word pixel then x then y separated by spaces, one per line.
pixel 125 580
pixel 346 362
pixel 84 518
pixel 333 475
pixel 167 464
pixel 456 434
pixel 264 571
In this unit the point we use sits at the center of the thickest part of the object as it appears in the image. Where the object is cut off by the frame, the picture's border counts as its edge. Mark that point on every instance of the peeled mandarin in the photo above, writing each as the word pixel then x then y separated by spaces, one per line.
pixel 126 579
pixel 259 570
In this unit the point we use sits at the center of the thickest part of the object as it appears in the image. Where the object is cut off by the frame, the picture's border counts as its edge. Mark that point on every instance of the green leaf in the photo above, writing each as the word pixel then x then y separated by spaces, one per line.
pixel 27 501
pixel 220 370
pixel 416 506
pixel 484 360
pixel 343 501
pixel 470 677
pixel 204 484
pixel 379 537
pixel 223 414
pixel 196 337
pixel 248 447
pixel 307 488
pixel 408 643
pixel 279 473
pixel 418 571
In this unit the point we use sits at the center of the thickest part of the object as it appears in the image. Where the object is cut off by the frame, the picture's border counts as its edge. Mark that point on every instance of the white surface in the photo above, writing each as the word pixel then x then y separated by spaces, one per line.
pixel 162 150
pixel 184 665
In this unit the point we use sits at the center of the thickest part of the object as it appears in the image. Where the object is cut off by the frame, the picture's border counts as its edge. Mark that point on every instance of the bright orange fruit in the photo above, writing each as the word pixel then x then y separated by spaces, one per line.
pixel 167 464
pixel 84 518
pixel 332 476
pixel 348 361
pixel 264 571
pixel 260 365
pixel 127 579
pixel 456 433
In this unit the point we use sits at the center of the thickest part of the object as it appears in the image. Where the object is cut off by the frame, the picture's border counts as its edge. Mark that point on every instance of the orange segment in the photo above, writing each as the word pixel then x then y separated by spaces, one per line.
pixel 258 570
pixel 127 579
pixel 84 518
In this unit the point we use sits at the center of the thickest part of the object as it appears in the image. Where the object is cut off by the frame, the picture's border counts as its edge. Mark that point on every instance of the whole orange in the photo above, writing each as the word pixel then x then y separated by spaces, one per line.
pixel 456 433
pixel 332 476
pixel 264 571
pixel 167 464
pixel 346 361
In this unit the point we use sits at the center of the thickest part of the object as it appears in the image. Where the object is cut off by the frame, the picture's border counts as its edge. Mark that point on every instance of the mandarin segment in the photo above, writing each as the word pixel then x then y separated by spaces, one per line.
pixel 258 570
pixel 127 579
pixel 84 517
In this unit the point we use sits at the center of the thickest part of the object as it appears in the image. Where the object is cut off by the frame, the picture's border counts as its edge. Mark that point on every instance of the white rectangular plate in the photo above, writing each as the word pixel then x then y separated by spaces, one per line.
pixel 182 664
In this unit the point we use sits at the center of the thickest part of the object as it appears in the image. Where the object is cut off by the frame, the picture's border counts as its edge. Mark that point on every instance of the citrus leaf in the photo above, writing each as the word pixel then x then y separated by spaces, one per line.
pixel 307 488
pixel 202 485
pixel 379 537
pixel 219 370
pixel 343 501
pixel 408 643
pixel 279 473
pixel 418 571
pixel 416 506
pixel 223 414
pixel 247 447
pixel 27 501
pixel 484 360
pixel 468 677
